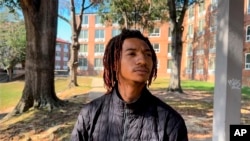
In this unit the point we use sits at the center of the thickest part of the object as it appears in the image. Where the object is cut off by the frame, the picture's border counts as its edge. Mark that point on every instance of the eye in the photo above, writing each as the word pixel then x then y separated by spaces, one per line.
pixel 131 54
pixel 149 54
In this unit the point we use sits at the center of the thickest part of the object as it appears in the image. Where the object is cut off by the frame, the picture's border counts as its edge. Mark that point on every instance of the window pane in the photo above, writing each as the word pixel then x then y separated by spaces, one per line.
pixel 84 48
pixel 85 19
pixel 115 32
pixel 169 65
pixel 97 19
pixel 248 58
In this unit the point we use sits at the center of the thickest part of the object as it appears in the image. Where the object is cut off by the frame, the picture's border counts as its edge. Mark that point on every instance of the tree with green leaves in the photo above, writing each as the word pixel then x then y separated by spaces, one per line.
pixel 134 15
pixel 77 8
pixel 12 41
pixel 40 17
pixel 140 13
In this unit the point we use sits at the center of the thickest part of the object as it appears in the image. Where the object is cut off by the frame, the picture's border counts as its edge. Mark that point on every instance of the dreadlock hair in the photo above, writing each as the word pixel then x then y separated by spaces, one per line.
pixel 112 56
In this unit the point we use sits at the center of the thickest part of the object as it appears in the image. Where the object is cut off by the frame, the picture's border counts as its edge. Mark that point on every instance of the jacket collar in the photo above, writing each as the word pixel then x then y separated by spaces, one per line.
pixel 136 107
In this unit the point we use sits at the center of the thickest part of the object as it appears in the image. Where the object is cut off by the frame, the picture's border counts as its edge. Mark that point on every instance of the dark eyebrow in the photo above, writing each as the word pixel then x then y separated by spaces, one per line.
pixel 133 49
pixel 130 49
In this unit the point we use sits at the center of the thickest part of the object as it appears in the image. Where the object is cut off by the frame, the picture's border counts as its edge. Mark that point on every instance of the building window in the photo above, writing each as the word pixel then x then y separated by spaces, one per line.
pixel 169 32
pixel 213 22
pixel 189 49
pixel 169 50
pixel 84 35
pixel 83 51
pixel 247 61
pixel 169 64
pixel 248 34
pixel 57 65
pixel 115 32
pixel 66 55
pixel 201 27
pixel 191 11
pixel 200 49
pixel 58 47
pixel 85 20
pixel 98 20
pixel 212 44
pixel 190 31
pixel 99 49
pixel 83 48
pixel 65 65
pixel 156 47
pixel 155 32
pixel 201 7
pixel 58 53
pixel 199 65
pixel 211 65
pixel 83 64
pixel 248 7
pixel 98 64
pixel 189 66
pixel 66 48
pixel 214 4
pixel 99 35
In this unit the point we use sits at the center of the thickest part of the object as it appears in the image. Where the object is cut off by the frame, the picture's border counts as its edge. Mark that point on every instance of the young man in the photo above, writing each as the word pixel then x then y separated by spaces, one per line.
pixel 128 111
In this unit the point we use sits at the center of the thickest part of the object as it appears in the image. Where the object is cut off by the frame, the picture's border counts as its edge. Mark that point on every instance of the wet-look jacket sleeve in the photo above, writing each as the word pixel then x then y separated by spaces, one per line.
pixel 79 132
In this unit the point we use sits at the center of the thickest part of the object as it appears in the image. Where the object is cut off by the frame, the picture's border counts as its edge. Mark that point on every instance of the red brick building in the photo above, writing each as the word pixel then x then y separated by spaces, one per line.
pixel 199 44
pixel 62 56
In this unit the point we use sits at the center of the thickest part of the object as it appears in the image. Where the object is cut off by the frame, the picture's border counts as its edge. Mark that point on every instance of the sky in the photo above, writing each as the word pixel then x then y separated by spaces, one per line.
pixel 63 30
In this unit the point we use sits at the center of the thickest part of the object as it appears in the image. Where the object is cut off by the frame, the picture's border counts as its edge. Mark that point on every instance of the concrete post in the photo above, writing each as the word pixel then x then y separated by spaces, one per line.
pixel 228 72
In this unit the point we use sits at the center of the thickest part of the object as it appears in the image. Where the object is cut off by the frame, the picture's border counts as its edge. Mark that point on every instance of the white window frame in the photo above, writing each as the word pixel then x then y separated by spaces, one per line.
pixel 83 51
pixel 98 66
pixel 211 70
pixel 98 33
pixel 248 6
pixel 247 64
pixel 82 66
pixel 169 68
pixel 84 23
pixel 98 22
pixel 154 33
pixel 156 45
pixel 248 33
pixel 99 49
pixel 84 38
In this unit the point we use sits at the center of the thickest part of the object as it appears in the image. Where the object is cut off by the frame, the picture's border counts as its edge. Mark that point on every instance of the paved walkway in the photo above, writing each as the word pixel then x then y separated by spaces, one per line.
pixel 97 88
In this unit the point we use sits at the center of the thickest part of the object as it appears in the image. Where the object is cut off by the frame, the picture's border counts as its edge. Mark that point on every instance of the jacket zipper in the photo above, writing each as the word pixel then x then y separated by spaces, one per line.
pixel 125 125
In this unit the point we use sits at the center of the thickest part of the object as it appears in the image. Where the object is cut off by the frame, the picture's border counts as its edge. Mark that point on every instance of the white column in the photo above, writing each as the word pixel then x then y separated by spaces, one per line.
pixel 228 72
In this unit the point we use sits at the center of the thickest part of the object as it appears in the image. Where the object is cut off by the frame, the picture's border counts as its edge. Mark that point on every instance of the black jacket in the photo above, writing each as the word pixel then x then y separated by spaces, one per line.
pixel 109 118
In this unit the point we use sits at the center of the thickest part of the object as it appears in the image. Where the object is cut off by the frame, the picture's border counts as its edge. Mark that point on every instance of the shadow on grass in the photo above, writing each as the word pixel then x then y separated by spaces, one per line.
pixel 44 125
pixel 195 106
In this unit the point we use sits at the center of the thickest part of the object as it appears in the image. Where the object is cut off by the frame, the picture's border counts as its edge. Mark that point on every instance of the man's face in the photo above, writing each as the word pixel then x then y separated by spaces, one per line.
pixel 136 61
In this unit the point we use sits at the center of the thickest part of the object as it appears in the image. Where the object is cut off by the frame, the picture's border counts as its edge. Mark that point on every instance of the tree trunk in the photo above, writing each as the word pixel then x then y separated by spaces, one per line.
pixel 73 62
pixel 76 29
pixel 10 73
pixel 41 28
pixel 174 85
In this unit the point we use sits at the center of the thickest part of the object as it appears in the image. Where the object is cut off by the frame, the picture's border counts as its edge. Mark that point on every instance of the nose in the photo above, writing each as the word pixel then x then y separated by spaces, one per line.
pixel 141 59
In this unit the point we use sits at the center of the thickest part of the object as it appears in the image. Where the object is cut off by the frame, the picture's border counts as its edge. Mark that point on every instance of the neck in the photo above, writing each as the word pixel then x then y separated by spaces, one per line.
pixel 130 93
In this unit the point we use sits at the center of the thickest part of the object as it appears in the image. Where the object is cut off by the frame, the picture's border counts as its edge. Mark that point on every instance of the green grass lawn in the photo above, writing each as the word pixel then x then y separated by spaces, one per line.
pixel 162 84
pixel 11 92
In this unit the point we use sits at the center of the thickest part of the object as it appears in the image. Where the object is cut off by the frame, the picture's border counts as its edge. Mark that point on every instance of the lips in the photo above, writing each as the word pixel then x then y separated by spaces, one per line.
pixel 141 70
